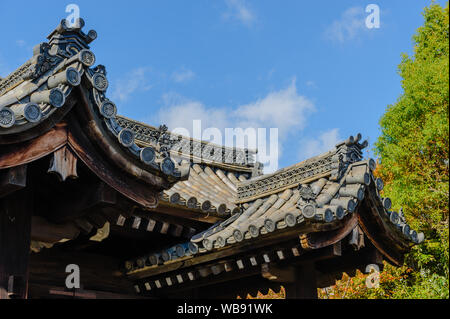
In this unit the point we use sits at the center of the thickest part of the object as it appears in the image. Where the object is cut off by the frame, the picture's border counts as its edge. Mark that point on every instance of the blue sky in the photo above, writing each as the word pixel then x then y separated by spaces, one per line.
pixel 310 68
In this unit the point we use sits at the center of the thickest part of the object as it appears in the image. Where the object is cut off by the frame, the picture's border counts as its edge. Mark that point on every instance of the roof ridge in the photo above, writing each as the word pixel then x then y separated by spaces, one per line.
pixel 228 157
pixel 191 138
pixel 331 163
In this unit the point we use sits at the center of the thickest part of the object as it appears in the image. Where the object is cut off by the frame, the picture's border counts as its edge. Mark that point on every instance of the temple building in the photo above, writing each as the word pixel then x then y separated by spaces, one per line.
pixel 81 185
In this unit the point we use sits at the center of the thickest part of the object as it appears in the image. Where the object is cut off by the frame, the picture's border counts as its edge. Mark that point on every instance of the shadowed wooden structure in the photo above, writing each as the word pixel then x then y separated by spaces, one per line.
pixel 145 213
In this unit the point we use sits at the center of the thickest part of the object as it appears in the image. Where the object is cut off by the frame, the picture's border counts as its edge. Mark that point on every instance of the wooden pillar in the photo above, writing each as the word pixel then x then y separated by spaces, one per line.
pixel 304 285
pixel 15 231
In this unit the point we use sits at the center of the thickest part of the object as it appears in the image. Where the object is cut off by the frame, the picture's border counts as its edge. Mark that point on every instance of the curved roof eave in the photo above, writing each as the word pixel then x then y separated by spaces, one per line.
pixel 321 209
pixel 59 92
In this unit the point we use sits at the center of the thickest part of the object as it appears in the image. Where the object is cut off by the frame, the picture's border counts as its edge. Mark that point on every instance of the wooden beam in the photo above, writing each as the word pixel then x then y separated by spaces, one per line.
pixel 15 232
pixel 203 283
pixel 325 253
pixel 263 242
pixel 24 153
pixel 12 179
pixel 97 272
pixel 92 197
pixel 241 267
pixel 286 271
pixel 42 230
pixel 322 239
pixel 54 292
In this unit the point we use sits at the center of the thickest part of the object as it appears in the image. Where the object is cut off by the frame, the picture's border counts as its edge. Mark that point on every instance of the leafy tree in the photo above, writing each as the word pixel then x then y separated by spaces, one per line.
pixel 414 148
pixel 414 163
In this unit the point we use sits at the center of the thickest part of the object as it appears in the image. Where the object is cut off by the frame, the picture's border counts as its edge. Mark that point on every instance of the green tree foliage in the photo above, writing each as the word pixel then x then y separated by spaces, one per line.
pixel 413 149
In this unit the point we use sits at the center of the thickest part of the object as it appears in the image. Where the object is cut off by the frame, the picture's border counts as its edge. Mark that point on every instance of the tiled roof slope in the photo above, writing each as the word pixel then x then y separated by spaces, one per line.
pixel 324 196
pixel 321 201
pixel 322 189
pixel 209 189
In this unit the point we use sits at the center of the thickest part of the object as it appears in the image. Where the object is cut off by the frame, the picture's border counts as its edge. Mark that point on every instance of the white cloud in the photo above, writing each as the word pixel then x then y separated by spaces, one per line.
pixel 183 75
pixel 284 109
pixel 180 112
pixel 316 146
pixel 133 82
pixel 240 11
pixel 350 25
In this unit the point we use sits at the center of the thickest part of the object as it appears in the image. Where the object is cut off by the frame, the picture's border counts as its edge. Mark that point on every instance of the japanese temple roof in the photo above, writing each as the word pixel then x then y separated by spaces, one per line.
pixel 216 198
pixel 61 73
pixel 329 194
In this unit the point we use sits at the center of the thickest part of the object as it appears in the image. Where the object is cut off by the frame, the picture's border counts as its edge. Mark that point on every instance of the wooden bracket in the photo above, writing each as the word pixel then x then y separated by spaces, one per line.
pixel 102 233
pixel 357 238
pixel 64 164
pixel 316 240
pixel 305 242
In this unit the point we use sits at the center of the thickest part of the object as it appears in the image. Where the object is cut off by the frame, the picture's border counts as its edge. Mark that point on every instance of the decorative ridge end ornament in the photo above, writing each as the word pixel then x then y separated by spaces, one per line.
pixel 258 169
pixel 165 140
pixel 64 30
pixel 47 79
pixel 65 43
pixel 306 193
pixel 347 152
